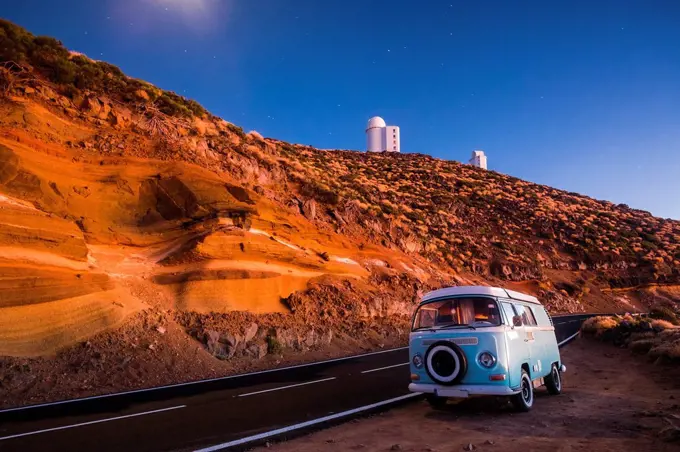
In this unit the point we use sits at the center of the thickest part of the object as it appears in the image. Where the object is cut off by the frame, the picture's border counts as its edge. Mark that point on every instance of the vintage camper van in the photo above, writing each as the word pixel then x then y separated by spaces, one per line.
pixel 476 340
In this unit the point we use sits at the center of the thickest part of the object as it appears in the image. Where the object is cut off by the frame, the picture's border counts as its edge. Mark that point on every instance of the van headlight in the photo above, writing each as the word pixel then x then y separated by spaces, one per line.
pixel 487 359
pixel 418 360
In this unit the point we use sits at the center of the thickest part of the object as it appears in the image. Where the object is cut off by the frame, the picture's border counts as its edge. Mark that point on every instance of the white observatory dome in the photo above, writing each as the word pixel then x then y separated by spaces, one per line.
pixel 376 122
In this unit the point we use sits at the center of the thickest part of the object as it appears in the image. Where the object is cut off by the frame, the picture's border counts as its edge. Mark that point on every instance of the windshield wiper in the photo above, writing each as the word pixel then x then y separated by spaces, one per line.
pixel 450 327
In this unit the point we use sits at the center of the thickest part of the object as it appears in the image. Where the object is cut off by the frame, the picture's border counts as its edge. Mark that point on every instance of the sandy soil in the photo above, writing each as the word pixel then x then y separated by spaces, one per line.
pixel 612 400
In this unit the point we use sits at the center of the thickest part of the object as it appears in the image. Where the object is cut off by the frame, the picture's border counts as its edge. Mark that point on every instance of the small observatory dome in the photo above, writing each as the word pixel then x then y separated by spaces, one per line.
pixel 376 122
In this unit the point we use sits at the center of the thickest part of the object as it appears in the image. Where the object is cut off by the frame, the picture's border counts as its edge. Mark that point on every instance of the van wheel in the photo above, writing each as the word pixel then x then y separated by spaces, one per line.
pixel 436 402
pixel 524 400
pixel 553 382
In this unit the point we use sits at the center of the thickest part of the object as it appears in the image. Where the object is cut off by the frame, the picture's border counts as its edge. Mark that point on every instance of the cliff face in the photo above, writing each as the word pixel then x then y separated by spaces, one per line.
pixel 144 241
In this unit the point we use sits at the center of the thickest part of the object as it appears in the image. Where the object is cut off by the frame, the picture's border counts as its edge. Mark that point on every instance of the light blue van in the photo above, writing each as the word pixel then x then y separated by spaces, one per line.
pixel 476 340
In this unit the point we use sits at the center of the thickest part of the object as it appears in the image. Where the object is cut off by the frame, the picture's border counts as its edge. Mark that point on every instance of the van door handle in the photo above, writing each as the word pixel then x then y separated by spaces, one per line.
pixel 526 340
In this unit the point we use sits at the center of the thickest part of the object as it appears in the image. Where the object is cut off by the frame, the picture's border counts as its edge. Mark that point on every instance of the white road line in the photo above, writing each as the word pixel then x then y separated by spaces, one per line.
pixel 568 339
pixel 179 385
pixel 320 420
pixel 286 387
pixel 92 422
pixel 382 368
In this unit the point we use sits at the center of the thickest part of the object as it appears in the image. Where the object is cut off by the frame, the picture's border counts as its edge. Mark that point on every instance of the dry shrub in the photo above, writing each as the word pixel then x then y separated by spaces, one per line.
pixel 664 311
pixel 642 346
pixel 12 74
pixel 657 339
pixel 597 325
pixel 662 325
pixel 666 350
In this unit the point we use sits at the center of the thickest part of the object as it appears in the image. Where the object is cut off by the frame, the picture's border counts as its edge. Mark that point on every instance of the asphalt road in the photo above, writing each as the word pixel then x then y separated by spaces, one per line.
pixel 223 413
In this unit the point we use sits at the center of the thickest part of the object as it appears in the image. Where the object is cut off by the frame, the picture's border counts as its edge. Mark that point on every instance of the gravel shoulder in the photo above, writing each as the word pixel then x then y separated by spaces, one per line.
pixel 612 400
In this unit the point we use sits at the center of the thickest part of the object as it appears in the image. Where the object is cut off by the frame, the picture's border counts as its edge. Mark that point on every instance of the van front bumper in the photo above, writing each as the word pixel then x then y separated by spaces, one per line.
pixel 462 391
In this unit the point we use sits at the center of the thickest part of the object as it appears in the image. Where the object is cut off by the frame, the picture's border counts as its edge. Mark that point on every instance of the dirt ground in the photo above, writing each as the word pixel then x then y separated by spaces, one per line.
pixel 612 400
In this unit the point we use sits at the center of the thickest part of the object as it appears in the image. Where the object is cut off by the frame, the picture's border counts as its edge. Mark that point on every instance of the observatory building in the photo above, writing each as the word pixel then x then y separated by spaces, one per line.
pixel 478 159
pixel 382 138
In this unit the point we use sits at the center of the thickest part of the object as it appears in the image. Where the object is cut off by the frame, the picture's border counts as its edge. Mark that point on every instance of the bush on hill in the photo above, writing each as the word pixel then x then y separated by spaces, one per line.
pixel 50 59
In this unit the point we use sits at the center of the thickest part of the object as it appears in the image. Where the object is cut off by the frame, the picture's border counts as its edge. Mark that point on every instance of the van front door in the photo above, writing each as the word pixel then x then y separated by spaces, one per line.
pixel 519 351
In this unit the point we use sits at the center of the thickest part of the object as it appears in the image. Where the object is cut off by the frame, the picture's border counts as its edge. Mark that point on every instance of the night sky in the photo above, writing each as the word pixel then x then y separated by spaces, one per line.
pixel 579 95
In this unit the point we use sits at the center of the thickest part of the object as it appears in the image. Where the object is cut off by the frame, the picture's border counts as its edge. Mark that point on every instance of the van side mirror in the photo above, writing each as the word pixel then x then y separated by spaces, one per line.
pixel 517 320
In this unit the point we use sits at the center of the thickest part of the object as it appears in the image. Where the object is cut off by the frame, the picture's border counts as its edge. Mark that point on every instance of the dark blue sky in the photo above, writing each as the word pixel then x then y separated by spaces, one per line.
pixel 579 95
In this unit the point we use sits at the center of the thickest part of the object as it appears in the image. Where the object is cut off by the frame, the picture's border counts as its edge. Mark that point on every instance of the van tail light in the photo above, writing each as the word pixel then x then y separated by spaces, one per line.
pixel 499 377
pixel 415 377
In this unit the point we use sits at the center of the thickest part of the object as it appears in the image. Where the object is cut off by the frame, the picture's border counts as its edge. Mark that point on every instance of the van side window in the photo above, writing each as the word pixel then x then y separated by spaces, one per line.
pixel 528 318
pixel 509 312
pixel 530 314
pixel 533 313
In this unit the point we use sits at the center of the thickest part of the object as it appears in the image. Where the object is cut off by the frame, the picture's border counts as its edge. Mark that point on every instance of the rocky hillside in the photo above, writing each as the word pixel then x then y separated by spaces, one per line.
pixel 145 241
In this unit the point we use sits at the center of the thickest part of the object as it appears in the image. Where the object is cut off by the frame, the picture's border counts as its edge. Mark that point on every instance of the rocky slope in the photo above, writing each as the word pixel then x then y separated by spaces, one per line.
pixel 145 241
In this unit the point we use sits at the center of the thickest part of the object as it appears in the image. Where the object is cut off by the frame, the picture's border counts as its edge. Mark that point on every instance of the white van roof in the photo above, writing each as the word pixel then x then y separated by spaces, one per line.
pixel 479 290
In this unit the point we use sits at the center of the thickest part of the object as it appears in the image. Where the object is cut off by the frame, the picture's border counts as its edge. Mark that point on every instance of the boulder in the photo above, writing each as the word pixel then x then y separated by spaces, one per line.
pixel 257 351
pixel 71 111
pixel 121 117
pixel 231 340
pixel 214 346
pixel 104 111
pixel 91 106
pixel 310 338
pixel 287 338
pixel 200 146
pixel 326 337
pixel 199 126
pixel 47 92
pixel 64 101
pixel 251 332
pixel 309 209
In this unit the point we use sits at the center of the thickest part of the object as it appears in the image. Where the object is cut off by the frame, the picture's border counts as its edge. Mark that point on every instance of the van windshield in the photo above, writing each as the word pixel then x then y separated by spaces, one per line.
pixel 452 312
